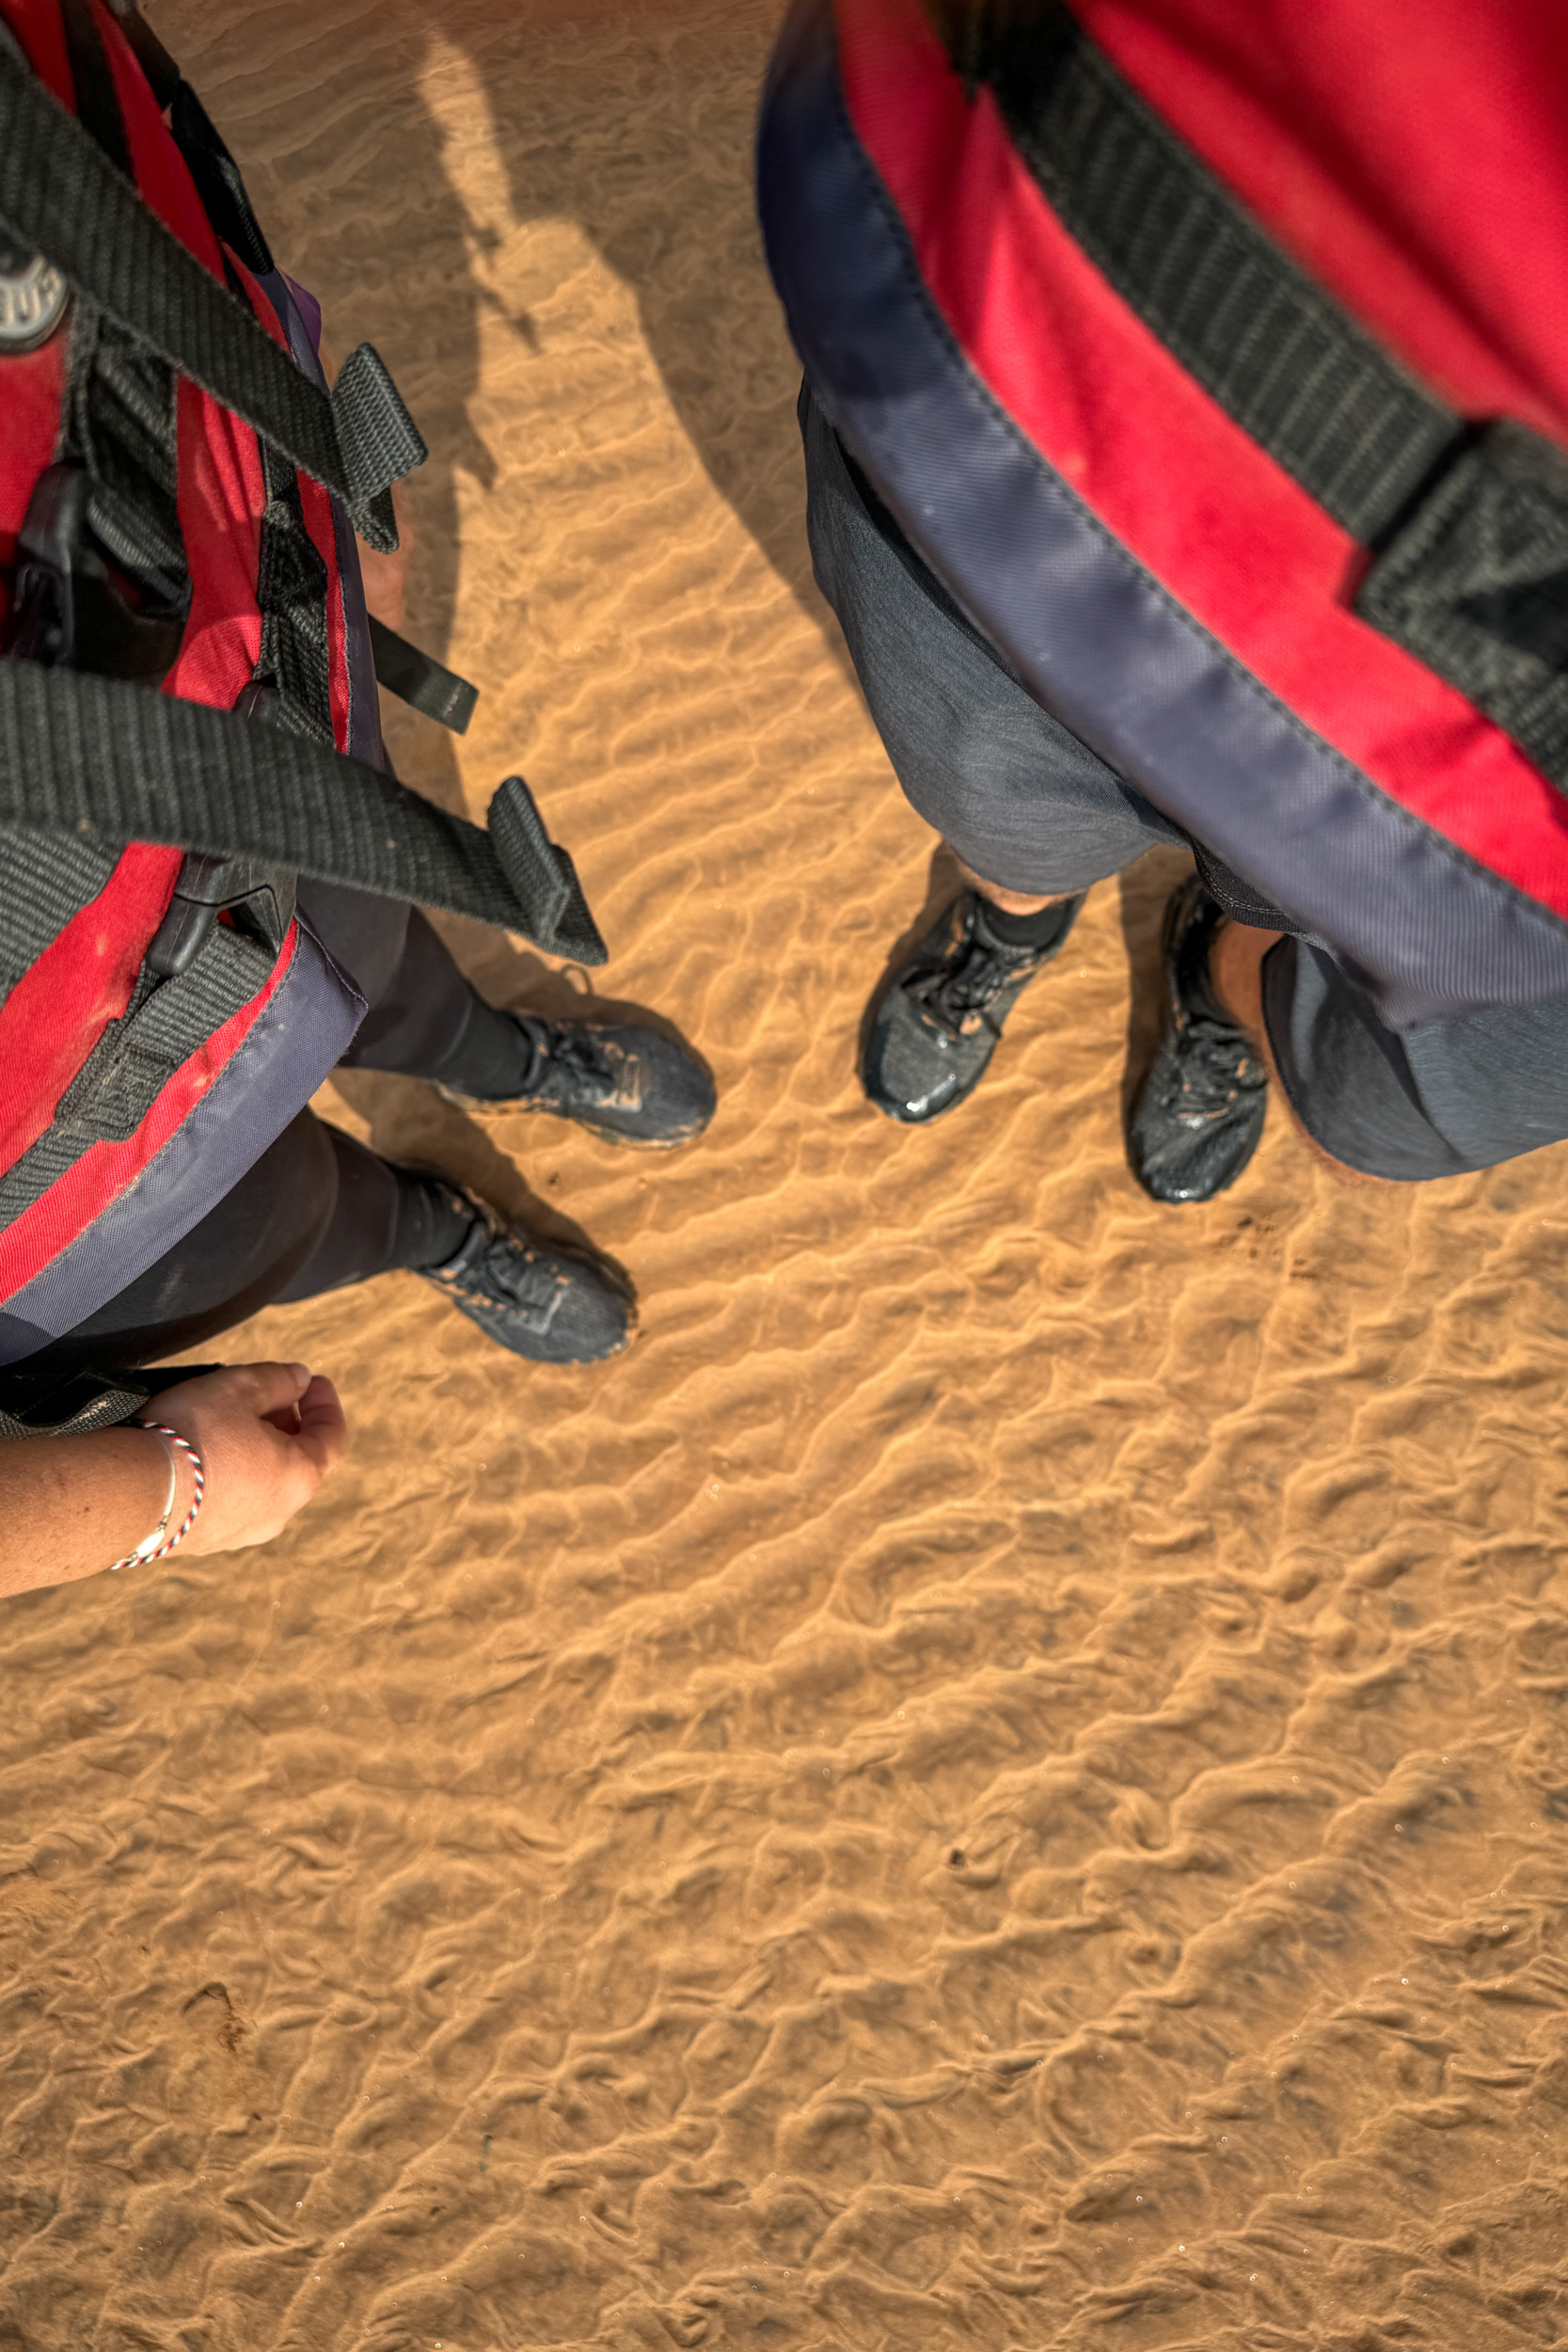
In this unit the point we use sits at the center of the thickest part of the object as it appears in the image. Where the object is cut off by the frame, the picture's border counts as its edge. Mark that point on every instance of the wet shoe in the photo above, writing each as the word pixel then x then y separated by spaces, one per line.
pixel 936 1023
pixel 553 1306
pixel 1199 1114
pixel 627 1084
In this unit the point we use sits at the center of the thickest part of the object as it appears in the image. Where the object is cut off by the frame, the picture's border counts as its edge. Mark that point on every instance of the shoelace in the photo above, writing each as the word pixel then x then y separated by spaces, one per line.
pixel 502 1270
pixel 1215 1065
pixel 577 1059
pixel 971 984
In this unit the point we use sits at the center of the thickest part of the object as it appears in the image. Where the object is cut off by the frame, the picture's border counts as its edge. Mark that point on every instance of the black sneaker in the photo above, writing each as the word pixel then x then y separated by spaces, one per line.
pixel 553 1306
pixel 1199 1114
pixel 628 1084
pixel 938 1018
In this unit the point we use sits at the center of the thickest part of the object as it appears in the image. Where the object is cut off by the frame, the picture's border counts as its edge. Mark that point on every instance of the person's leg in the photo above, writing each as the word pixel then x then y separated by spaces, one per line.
pixel 623 1081
pixel 1032 815
pixel 1445 1099
pixel 1031 812
pixel 318 1212
pixel 1373 1104
pixel 1236 965
pixel 551 1305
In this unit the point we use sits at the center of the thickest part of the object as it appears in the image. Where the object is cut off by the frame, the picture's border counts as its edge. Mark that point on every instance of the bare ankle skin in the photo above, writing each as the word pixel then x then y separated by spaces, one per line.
pixel 1011 901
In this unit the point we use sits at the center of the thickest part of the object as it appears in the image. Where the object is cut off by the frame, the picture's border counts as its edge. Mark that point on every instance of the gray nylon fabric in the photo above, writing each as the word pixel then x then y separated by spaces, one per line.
pixel 135 1059
pixel 1028 807
pixel 1022 800
pixel 1470 528
pixel 1443 1100
pixel 1098 641
pixel 305 1027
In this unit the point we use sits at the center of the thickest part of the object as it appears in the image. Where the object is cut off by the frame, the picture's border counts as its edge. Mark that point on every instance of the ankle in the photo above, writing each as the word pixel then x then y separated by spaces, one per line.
pixel 496 1057
pixel 1040 927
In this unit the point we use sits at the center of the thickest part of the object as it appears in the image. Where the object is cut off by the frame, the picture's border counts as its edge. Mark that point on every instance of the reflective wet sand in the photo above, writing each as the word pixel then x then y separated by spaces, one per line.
pixel 1000 1781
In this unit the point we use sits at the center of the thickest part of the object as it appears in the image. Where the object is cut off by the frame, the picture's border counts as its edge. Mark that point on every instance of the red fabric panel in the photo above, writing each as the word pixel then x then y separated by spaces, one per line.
pixel 62 1005
pixel 59 1009
pixel 1224 529
pixel 108 1170
pixel 1413 154
pixel 31 385
pixel 220 497
pixel 159 169
pixel 37 26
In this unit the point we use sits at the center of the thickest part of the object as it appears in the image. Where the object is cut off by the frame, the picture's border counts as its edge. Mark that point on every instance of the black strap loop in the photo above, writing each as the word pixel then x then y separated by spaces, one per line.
pixel 104 761
pixel 420 681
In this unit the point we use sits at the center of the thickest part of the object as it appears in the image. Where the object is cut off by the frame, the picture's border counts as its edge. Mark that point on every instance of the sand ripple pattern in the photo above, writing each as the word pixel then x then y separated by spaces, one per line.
pixel 1001 1780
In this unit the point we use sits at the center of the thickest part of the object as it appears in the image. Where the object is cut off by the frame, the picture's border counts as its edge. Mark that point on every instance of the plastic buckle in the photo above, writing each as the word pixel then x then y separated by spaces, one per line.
pixel 71 613
pixel 258 897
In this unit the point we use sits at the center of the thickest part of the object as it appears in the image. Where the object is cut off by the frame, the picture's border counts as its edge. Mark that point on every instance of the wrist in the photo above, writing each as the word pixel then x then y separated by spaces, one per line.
pixel 154 1517
pixel 184 1491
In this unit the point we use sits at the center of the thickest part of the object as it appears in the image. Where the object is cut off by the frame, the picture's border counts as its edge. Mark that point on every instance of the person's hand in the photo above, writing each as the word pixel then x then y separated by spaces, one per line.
pixel 267 1435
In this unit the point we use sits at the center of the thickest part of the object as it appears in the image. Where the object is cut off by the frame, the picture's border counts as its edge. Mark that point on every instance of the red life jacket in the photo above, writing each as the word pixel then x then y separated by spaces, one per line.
pixel 1218 364
pixel 167 1005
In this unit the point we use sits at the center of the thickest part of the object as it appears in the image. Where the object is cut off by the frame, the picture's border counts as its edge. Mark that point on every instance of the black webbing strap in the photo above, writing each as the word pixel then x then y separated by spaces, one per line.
pixel 69 1406
pixel 73 1404
pixel 1275 351
pixel 109 762
pixel 1468 524
pixel 162 75
pixel 44 884
pixel 419 680
pixel 60 197
pixel 207 159
pixel 217 180
pixel 135 1059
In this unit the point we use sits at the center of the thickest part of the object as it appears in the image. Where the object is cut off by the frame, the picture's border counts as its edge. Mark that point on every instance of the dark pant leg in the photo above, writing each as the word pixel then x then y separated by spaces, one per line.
pixel 431 1022
pixel 315 1213
pixel 1441 1100
pixel 1023 803
pixel 384 1218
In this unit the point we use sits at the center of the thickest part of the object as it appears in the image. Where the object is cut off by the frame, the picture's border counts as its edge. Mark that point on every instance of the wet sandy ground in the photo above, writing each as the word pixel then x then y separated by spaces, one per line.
pixel 1000 1780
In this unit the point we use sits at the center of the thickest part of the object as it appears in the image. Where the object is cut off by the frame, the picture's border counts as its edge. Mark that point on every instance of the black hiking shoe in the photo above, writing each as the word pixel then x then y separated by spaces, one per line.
pixel 1199 1113
pixel 626 1084
pixel 553 1306
pixel 938 1018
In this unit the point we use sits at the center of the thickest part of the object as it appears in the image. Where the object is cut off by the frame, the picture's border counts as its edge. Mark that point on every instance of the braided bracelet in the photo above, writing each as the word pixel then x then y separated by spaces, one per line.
pixel 158 1546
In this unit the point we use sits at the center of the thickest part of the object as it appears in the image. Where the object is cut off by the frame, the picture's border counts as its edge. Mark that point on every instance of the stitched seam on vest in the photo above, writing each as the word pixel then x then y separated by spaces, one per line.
pixel 1383 803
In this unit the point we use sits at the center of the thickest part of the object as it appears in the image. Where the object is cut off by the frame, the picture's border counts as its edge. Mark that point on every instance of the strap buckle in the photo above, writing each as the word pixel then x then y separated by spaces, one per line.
pixel 72 613
pixel 257 896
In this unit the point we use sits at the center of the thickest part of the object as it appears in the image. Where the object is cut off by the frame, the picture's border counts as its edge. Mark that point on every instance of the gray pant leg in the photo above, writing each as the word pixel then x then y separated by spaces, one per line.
pixel 1022 802
pixel 1442 1100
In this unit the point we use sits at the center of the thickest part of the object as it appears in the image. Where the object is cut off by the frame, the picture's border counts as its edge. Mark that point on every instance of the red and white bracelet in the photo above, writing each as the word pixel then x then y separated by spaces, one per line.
pixel 160 1543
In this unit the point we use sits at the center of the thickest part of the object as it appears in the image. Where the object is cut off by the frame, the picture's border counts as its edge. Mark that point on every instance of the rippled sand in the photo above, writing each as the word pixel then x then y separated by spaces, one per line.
pixel 1001 1780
